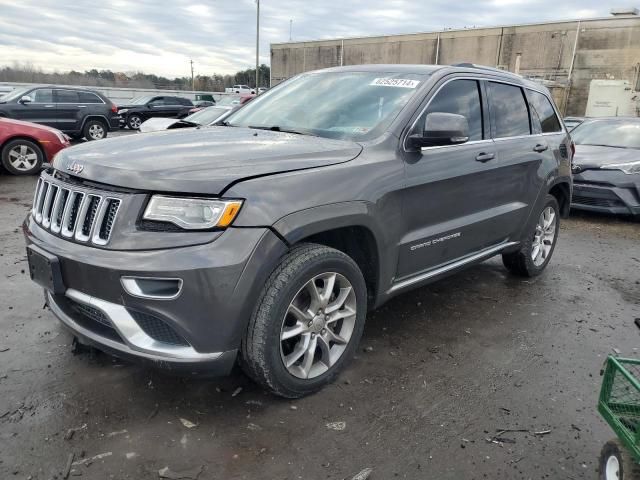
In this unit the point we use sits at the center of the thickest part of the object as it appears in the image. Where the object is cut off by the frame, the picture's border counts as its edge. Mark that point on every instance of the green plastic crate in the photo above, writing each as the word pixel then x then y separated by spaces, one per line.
pixel 619 402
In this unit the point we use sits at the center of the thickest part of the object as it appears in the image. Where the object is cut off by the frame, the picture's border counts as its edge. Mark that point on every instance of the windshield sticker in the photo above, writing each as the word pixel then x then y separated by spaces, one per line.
pixel 395 82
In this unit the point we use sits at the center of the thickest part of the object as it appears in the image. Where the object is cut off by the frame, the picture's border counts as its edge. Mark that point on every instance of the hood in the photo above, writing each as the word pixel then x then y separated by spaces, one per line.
pixel 592 156
pixel 29 124
pixel 157 123
pixel 200 160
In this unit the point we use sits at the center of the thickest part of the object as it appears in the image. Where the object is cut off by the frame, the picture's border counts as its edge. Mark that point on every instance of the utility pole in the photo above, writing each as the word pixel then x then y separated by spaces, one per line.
pixel 257 43
pixel 193 81
pixel 290 28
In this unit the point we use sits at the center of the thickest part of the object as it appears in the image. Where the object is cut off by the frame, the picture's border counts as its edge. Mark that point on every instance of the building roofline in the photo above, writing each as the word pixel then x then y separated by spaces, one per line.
pixel 488 27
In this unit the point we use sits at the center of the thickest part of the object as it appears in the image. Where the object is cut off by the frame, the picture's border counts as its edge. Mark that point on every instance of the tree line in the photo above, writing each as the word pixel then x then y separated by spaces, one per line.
pixel 28 73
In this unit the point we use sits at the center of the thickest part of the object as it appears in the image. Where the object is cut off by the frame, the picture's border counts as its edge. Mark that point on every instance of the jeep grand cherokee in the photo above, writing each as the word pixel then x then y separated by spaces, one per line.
pixel 266 239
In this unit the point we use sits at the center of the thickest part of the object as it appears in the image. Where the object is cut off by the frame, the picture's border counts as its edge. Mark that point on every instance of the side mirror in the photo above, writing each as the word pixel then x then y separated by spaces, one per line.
pixel 442 129
pixel 26 99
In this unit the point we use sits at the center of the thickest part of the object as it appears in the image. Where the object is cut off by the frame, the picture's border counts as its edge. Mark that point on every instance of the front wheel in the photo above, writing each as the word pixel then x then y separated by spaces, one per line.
pixel 308 322
pixel 22 157
pixel 616 462
pixel 134 121
pixel 536 250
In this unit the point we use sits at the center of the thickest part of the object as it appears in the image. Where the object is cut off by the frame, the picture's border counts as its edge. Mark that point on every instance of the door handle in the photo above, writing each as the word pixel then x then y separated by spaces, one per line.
pixel 541 147
pixel 485 157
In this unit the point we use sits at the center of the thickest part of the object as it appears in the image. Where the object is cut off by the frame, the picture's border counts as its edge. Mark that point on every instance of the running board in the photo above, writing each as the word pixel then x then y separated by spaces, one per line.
pixel 487 252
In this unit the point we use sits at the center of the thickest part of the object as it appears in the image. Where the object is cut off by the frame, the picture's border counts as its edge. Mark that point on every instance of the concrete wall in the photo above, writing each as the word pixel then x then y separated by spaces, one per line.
pixel 606 48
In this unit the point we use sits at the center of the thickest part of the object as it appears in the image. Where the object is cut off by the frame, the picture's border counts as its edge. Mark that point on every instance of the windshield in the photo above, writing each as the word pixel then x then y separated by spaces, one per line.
pixel 341 105
pixel 206 115
pixel 610 133
pixel 14 94
pixel 141 100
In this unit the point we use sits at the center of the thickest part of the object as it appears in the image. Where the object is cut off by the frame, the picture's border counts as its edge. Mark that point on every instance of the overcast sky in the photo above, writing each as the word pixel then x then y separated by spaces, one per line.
pixel 160 36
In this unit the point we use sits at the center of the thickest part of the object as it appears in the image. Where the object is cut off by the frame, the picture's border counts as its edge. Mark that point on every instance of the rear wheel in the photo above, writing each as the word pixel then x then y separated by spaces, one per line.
pixel 536 251
pixel 94 130
pixel 22 157
pixel 617 463
pixel 308 322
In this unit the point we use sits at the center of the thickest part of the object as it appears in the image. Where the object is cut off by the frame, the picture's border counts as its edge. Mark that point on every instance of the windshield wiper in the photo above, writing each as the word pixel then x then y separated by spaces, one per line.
pixel 276 128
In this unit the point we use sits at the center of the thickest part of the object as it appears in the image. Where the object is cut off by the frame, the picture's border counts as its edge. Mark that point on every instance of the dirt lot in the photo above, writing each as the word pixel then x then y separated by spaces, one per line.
pixel 450 365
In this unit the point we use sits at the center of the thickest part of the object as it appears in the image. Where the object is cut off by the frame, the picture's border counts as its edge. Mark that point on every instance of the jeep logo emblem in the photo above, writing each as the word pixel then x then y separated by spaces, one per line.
pixel 75 168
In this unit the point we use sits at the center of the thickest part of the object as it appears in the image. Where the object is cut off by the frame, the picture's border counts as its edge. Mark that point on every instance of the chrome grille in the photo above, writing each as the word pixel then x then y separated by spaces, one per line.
pixel 73 213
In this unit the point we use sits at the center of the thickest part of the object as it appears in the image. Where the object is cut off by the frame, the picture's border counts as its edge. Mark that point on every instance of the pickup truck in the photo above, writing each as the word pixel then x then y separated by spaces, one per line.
pixel 240 89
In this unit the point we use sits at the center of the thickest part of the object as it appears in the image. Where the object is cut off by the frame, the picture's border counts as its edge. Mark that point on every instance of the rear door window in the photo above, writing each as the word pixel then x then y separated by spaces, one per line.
pixel 461 97
pixel 509 112
pixel 544 111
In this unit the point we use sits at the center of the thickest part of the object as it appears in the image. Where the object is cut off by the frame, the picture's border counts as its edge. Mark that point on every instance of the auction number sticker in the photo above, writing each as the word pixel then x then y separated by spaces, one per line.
pixel 395 82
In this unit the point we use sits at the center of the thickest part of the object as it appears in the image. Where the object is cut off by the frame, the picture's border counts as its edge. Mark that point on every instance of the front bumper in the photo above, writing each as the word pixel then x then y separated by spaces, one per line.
pixel 606 191
pixel 219 284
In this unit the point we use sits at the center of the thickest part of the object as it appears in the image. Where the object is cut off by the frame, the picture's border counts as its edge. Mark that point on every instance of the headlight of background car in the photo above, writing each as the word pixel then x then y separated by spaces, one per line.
pixel 124 110
pixel 61 136
pixel 192 213
pixel 628 168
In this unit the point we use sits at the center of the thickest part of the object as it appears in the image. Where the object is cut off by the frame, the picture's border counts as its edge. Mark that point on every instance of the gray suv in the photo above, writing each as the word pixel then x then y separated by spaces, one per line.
pixel 267 238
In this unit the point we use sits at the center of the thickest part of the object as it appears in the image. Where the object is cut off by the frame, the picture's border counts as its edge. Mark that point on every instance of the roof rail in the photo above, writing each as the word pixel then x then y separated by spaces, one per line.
pixel 483 67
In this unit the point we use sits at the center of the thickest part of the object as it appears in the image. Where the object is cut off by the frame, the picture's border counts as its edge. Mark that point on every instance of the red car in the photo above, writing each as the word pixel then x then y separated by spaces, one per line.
pixel 25 146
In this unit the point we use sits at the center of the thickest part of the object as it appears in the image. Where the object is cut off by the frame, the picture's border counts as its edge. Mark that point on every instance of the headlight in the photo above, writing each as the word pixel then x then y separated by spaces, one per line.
pixel 629 168
pixel 61 136
pixel 192 213
pixel 124 110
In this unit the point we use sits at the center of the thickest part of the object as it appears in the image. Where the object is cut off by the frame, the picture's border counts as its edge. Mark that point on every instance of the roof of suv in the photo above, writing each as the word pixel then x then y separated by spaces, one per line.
pixel 429 69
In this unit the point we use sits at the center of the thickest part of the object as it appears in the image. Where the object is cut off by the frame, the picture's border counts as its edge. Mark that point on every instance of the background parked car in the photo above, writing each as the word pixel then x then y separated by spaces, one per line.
pixel 206 116
pixel 606 166
pixel 25 146
pixel 228 100
pixel 78 112
pixel 203 103
pixel 142 108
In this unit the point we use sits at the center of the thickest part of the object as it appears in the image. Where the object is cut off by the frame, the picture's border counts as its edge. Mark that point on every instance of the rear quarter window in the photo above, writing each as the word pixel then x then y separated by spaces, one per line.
pixel 509 112
pixel 544 111
pixel 88 97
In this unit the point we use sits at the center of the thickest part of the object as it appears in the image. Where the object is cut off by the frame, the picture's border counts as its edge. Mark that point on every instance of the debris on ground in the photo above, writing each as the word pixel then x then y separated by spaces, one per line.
pixel 67 468
pixel 188 423
pixel 89 460
pixel 119 432
pixel 254 427
pixel 368 349
pixel 4 349
pixel 542 432
pixel 363 474
pixel 191 474
pixel 236 392
pixel 338 426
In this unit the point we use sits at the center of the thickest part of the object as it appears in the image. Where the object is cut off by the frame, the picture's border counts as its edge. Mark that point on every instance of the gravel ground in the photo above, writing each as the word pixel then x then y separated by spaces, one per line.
pixel 441 371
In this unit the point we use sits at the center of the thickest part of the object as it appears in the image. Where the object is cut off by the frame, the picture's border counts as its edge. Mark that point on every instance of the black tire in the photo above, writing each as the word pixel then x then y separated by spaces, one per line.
pixel 134 121
pixel 627 468
pixel 94 130
pixel 521 262
pixel 260 350
pixel 14 166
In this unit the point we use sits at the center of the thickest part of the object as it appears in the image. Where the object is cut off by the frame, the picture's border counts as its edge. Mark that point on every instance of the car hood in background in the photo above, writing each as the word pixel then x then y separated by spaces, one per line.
pixel 592 156
pixel 200 160
pixel 156 124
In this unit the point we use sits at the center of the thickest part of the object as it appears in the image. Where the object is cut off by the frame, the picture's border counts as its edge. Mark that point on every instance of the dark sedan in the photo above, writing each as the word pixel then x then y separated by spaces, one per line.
pixel 606 166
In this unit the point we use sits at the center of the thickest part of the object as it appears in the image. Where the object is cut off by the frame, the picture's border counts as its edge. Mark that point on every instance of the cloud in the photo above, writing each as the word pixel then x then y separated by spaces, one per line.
pixel 161 36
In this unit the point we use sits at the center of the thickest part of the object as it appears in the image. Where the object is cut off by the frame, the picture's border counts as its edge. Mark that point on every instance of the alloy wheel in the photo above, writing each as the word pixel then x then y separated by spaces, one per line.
pixel 96 131
pixel 318 325
pixel 544 236
pixel 135 122
pixel 23 158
